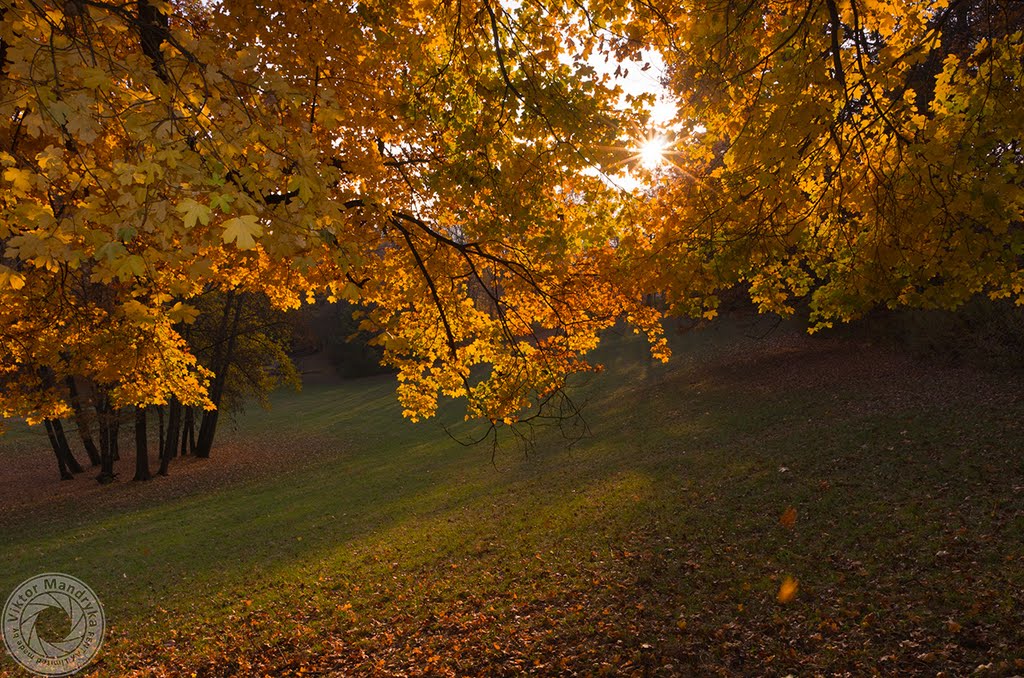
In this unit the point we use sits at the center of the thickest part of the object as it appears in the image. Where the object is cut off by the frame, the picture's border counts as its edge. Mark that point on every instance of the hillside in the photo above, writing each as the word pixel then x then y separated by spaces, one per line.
pixel 328 536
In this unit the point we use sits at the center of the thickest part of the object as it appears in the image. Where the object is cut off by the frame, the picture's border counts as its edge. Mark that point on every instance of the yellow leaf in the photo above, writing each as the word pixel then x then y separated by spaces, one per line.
pixel 243 231
pixel 21 179
pixel 132 265
pixel 182 313
pixel 95 78
pixel 137 312
pixel 788 590
pixel 17 282
pixel 192 211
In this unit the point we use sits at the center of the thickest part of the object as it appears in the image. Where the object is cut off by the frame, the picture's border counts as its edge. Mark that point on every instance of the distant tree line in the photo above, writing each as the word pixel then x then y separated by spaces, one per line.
pixel 237 336
pixel 247 346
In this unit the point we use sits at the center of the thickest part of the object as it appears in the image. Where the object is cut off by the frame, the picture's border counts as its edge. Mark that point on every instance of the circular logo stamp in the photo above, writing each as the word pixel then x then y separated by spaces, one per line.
pixel 53 624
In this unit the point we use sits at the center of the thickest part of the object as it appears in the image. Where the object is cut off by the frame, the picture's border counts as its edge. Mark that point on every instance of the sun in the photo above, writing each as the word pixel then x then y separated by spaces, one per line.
pixel 652 152
pixel 644 159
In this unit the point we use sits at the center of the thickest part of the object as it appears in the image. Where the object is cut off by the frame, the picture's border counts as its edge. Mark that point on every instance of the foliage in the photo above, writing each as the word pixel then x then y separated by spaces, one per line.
pixel 422 160
pixel 856 152
pixel 260 339
pixel 437 163
pixel 441 165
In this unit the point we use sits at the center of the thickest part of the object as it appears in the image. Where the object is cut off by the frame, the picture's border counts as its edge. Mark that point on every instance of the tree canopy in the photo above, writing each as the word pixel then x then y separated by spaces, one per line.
pixel 852 152
pixel 443 164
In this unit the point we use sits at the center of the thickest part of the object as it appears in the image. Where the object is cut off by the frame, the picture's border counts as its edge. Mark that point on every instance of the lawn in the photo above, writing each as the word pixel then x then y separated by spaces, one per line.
pixel 328 536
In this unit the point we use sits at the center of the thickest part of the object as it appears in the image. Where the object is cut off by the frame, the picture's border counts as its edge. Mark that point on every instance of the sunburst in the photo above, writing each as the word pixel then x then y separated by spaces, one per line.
pixel 651 153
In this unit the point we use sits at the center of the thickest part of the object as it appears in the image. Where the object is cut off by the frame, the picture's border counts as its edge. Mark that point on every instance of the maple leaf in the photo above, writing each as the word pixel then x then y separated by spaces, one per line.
pixel 242 231
pixel 138 311
pixel 221 201
pixel 131 265
pixel 20 179
pixel 193 212
pixel 183 313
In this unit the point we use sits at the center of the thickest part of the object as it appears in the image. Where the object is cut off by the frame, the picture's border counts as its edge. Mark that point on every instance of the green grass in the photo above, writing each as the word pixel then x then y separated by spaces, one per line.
pixel 654 545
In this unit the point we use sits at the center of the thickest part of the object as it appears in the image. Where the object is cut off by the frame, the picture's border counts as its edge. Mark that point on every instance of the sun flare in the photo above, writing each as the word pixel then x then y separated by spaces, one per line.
pixel 652 152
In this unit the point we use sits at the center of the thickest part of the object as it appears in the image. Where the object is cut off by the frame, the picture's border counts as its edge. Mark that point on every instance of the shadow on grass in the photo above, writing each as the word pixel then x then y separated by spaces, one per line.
pixel 654 545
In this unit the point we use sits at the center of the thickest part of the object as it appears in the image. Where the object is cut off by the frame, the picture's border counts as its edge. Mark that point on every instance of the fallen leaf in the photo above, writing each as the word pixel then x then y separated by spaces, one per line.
pixel 788 590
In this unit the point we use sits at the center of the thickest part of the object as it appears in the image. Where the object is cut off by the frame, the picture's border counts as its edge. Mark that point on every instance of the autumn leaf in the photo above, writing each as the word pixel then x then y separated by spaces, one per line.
pixel 222 202
pixel 183 313
pixel 242 231
pixel 20 179
pixel 10 278
pixel 788 518
pixel 787 591
pixel 138 311
pixel 131 265
pixel 192 212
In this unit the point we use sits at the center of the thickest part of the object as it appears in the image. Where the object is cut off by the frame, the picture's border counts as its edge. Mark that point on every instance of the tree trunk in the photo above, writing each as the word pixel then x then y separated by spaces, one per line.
pixel 58 429
pixel 208 428
pixel 65 474
pixel 82 420
pixel 188 434
pixel 170 446
pixel 141 447
pixel 160 432
pixel 108 440
pixel 115 434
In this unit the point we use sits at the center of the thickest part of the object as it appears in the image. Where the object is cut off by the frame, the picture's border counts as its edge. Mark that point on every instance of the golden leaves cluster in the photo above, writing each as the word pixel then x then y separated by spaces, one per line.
pixel 423 159
pixel 852 153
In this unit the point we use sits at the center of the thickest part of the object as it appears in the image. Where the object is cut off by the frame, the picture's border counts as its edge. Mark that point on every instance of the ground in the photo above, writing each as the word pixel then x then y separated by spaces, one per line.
pixel 329 537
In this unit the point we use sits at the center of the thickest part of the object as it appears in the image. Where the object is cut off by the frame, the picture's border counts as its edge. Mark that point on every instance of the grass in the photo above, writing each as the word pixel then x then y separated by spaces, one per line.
pixel 358 543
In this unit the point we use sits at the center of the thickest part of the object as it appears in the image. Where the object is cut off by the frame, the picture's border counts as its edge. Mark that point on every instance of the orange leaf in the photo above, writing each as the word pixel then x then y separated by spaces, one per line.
pixel 788 590
pixel 788 518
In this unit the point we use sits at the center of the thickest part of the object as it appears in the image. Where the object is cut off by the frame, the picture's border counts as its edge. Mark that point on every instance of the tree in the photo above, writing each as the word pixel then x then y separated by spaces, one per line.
pixel 244 343
pixel 851 152
pixel 440 165
pixel 83 420
pixel 391 154
pixel 66 462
